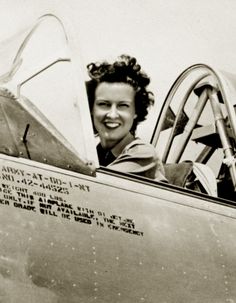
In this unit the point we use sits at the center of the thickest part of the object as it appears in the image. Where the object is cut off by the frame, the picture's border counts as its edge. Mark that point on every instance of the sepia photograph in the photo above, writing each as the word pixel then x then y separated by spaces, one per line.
pixel 118 151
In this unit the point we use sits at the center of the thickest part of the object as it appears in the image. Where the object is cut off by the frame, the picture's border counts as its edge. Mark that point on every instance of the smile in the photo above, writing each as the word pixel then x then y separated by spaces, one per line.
pixel 112 124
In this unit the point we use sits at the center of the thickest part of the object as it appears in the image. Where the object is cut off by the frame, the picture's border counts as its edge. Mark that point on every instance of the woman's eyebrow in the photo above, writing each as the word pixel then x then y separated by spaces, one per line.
pixel 100 99
pixel 119 101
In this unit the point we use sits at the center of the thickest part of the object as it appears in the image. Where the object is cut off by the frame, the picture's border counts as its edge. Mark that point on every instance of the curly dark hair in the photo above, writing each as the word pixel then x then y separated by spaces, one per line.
pixel 125 70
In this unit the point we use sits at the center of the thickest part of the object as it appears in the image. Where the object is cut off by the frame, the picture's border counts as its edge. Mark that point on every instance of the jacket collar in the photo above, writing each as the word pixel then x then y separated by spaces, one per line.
pixel 118 148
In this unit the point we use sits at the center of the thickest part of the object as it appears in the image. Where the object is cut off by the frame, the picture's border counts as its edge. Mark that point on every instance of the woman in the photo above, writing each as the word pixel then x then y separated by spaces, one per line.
pixel 119 100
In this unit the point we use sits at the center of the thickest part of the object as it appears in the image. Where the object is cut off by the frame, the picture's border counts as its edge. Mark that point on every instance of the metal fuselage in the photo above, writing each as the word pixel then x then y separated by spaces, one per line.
pixel 67 237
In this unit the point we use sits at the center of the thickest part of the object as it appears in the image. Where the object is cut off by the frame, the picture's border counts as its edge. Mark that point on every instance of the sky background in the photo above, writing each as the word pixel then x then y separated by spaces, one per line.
pixel 166 36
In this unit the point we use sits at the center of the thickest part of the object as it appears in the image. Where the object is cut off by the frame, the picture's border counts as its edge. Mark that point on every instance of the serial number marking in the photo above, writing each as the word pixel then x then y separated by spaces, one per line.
pixel 51 196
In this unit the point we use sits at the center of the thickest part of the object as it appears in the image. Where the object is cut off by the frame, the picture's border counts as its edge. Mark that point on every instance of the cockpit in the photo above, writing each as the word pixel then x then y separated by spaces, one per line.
pixel 45 114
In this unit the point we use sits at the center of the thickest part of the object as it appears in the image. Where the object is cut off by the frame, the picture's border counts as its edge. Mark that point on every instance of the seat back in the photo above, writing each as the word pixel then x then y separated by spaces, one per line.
pixel 192 175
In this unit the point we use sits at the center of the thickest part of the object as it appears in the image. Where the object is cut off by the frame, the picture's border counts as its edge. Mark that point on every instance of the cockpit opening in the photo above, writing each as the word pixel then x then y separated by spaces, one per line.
pixel 45 115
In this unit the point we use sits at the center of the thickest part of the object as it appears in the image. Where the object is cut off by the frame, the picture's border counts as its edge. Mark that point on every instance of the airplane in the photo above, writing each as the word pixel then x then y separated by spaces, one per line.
pixel 72 231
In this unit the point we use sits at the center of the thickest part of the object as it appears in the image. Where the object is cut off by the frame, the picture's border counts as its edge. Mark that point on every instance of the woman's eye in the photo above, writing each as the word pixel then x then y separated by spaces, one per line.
pixel 103 104
pixel 124 105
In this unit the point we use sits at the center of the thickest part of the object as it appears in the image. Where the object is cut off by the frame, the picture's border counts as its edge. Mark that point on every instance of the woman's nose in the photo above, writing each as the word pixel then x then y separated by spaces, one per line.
pixel 113 113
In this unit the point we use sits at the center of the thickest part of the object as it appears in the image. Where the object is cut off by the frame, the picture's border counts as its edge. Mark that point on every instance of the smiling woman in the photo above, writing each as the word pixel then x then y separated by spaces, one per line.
pixel 119 100
pixel 113 112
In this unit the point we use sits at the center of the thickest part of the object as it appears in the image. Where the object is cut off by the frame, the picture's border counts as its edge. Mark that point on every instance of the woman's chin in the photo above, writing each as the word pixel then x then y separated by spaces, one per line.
pixel 109 142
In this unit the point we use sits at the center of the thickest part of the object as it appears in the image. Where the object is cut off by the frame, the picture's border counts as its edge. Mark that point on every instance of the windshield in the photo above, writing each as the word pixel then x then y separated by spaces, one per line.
pixel 37 67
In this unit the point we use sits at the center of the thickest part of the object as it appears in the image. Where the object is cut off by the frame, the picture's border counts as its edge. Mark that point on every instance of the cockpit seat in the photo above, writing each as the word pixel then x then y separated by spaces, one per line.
pixel 192 175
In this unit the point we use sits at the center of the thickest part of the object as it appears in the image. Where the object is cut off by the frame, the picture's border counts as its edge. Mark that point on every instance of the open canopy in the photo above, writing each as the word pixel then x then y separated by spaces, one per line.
pixel 198 123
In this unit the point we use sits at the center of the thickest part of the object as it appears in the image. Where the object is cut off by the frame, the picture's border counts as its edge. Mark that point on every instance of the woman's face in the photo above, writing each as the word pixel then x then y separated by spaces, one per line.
pixel 113 112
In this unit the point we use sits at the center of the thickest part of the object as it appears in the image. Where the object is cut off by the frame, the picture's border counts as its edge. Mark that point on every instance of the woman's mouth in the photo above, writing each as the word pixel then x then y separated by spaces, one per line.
pixel 111 125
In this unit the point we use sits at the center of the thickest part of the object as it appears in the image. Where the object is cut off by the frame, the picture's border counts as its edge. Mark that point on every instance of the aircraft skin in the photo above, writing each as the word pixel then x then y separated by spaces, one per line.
pixel 90 234
pixel 67 237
